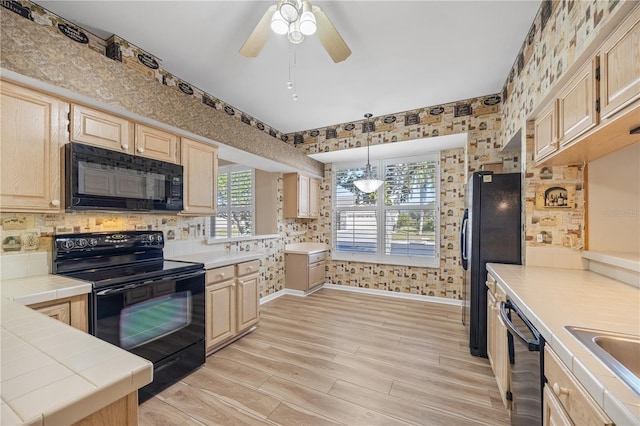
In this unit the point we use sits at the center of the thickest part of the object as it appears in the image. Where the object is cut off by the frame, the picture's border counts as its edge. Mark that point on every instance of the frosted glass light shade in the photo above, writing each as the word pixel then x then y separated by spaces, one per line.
pixel 368 185
pixel 308 23
pixel 278 24
pixel 295 36
pixel 289 10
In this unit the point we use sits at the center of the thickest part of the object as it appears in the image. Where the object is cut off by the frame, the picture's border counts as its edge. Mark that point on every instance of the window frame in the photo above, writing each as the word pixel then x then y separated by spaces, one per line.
pixel 228 209
pixel 381 209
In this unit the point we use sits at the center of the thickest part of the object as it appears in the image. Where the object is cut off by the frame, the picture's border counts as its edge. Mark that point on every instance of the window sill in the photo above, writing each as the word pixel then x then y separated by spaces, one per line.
pixel 418 263
pixel 241 239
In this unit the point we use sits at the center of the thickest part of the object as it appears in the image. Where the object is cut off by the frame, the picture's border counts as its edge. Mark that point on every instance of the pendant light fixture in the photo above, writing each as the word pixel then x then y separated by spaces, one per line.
pixel 368 183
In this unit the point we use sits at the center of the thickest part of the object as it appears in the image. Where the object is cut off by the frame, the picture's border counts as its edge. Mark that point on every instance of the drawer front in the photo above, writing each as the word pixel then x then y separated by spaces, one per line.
pixel 582 409
pixel 217 275
pixel 317 257
pixel 248 267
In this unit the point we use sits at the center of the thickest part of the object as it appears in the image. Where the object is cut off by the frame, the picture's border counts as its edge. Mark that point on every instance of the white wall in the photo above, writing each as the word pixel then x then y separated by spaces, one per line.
pixel 613 187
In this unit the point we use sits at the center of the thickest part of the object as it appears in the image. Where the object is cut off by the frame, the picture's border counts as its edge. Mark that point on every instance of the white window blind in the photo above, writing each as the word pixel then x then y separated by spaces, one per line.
pixel 404 227
pixel 235 216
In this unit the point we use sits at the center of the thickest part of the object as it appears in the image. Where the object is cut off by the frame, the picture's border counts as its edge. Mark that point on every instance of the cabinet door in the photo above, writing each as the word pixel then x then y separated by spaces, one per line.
pixel 552 412
pixel 156 144
pixel 200 161
pixel 57 311
pixel 303 196
pixel 620 67
pixel 247 302
pixel 101 129
pixel 220 310
pixel 576 105
pixel 31 133
pixel 501 355
pixel 314 198
pixel 70 310
pixel 316 274
pixel 546 132
pixel 491 330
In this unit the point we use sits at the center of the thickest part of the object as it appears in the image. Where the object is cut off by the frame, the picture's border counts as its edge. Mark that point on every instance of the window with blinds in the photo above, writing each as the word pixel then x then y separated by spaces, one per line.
pixel 235 216
pixel 399 223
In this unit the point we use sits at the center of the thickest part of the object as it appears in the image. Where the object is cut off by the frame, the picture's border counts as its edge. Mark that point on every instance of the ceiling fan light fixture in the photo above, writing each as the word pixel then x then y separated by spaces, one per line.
pixel 278 24
pixel 368 183
pixel 295 36
pixel 290 10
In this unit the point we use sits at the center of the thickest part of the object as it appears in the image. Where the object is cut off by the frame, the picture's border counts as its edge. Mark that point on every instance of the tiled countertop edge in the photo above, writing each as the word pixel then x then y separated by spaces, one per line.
pixel 607 390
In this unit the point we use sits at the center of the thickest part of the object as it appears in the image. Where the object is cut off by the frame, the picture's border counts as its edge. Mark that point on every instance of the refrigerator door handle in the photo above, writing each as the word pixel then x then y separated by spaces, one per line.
pixel 463 239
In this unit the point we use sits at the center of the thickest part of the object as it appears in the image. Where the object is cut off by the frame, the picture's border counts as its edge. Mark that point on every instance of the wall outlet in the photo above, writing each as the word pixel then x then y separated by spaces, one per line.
pixel 539 238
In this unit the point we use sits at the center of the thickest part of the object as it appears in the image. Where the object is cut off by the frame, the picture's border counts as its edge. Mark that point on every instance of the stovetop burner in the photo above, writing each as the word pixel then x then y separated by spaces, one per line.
pixel 111 276
pixel 109 259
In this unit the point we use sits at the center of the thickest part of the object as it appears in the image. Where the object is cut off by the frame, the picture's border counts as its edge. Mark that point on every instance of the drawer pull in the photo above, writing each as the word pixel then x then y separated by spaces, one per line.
pixel 558 390
pixel 221 275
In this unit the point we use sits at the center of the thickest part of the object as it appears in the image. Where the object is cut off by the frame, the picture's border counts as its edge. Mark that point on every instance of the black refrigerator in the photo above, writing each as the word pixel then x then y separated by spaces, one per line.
pixel 490 231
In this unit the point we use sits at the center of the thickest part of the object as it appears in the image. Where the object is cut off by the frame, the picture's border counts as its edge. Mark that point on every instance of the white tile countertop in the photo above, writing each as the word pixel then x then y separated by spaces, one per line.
pixel 217 259
pixel 554 298
pixel 306 248
pixel 52 373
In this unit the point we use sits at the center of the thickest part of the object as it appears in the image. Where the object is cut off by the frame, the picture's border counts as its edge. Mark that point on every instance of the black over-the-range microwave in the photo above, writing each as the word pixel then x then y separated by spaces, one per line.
pixel 101 179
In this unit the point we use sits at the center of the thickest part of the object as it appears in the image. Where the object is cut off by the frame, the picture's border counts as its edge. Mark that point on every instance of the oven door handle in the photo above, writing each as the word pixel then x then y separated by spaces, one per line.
pixel 123 288
pixel 532 344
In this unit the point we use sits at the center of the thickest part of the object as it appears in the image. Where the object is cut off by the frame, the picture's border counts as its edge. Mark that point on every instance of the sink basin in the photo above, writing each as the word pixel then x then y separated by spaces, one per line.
pixel 619 352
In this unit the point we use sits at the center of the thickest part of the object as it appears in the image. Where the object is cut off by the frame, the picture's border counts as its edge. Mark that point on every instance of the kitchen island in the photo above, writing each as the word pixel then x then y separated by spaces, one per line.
pixel 554 298
pixel 56 374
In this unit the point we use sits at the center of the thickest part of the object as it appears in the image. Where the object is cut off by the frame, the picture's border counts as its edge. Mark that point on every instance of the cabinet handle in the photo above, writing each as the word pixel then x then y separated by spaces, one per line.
pixel 55 203
pixel 125 146
pixel 140 149
pixel 221 275
pixel 558 390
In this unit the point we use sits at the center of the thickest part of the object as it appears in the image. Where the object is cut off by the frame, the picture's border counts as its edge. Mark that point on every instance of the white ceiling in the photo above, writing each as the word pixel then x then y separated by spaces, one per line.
pixel 406 54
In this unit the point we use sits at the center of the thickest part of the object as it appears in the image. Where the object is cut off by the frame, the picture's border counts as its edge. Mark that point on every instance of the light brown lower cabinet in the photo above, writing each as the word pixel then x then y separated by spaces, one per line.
pixel 232 302
pixel 497 343
pixel 122 412
pixel 248 294
pixel 304 271
pixel 70 310
pixel 220 305
pixel 565 401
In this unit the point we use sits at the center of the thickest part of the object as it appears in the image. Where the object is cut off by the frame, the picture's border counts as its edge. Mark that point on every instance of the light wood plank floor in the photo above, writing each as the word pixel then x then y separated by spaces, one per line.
pixel 338 357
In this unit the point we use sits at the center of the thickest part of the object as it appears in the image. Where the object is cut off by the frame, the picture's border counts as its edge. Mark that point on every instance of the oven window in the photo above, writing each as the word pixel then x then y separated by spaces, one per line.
pixel 155 318
pixel 113 181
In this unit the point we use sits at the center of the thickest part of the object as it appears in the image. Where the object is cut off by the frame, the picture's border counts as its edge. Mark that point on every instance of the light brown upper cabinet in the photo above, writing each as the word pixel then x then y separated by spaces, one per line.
pixel 31 134
pixel 156 144
pixel 570 114
pixel 620 66
pixel 301 196
pixel 98 128
pixel 200 161
pixel 577 104
pixel 109 131
pixel 599 108
pixel 546 132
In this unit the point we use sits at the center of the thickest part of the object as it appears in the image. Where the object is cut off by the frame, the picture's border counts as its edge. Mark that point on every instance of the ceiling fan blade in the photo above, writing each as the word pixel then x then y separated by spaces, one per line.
pixel 329 37
pixel 259 35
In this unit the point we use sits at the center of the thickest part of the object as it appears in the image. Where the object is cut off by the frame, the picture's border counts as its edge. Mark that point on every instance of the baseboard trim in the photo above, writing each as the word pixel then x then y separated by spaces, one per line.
pixel 384 293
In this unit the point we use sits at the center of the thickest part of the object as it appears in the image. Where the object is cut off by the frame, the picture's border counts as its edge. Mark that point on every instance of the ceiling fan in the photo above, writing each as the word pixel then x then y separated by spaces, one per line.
pixel 296 18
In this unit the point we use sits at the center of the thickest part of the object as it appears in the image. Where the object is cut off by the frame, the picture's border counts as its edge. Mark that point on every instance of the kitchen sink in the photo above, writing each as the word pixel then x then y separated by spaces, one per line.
pixel 619 352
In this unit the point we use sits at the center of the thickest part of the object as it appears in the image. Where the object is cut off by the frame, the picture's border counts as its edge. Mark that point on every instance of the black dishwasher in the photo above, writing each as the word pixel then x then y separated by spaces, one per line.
pixel 526 353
